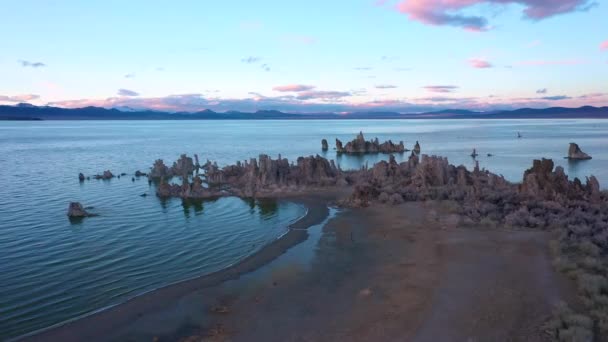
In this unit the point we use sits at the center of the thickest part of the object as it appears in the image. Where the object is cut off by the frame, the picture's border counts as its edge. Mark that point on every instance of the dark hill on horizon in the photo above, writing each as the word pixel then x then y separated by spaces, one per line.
pixel 30 112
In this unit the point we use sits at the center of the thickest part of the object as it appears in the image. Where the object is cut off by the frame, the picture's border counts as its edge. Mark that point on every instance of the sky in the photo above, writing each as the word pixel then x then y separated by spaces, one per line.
pixel 305 56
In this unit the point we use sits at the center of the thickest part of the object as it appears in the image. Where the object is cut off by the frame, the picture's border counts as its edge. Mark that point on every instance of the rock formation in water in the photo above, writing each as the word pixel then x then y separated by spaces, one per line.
pixel 81 177
pixel 575 153
pixel 324 145
pixel 186 190
pixel 183 167
pixel 76 210
pixel 159 170
pixel 417 148
pixel 105 175
pixel 140 174
pixel 265 176
pixel 359 146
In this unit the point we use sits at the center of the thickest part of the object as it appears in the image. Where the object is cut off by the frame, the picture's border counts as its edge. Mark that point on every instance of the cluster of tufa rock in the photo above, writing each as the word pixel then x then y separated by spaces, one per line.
pixel 265 176
pixel 183 167
pixel 360 145
pixel 258 177
pixel 186 190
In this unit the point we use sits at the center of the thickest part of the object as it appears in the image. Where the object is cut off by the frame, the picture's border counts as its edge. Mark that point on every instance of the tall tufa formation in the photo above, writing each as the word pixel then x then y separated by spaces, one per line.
pixel 159 170
pixel 417 148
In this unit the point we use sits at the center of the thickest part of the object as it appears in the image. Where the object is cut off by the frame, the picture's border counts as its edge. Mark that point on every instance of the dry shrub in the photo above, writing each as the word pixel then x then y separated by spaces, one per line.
pixel 566 325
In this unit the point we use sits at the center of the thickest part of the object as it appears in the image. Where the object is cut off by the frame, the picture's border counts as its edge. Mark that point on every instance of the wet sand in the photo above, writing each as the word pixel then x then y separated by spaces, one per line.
pixel 384 273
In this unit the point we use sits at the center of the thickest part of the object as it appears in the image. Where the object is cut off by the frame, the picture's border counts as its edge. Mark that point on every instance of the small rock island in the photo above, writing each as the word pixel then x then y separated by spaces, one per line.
pixel 76 210
pixel 575 153
pixel 360 146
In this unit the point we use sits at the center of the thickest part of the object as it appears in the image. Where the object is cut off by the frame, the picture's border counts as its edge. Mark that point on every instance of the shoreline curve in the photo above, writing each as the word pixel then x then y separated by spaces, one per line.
pixel 91 326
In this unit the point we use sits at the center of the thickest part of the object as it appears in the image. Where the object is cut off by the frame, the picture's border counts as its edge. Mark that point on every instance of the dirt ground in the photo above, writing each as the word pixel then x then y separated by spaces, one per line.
pixel 406 273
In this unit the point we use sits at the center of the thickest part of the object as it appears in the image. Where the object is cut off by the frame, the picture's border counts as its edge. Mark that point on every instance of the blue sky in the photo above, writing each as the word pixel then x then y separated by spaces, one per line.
pixel 406 55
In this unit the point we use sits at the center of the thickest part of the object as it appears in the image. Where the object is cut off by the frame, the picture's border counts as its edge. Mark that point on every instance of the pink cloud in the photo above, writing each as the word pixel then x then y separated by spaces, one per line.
pixel 322 95
pixel 334 101
pixel 449 12
pixel 19 98
pixel 479 63
pixel 604 45
pixel 293 88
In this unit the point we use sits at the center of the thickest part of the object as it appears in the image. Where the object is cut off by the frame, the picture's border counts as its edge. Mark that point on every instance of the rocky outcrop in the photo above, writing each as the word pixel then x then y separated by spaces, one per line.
pixel 359 146
pixel 541 181
pixel 265 175
pixel 140 174
pixel 76 210
pixel 183 167
pixel 324 145
pixel 159 170
pixel 575 153
pixel 105 175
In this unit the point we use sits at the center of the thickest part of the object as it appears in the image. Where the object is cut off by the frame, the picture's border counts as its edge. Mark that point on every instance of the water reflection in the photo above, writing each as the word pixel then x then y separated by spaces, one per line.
pixel 267 207
pixel 188 204
pixel 575 168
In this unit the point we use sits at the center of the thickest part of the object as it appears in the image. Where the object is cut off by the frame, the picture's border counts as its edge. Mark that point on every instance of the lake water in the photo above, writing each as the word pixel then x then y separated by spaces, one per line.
pixel 52 270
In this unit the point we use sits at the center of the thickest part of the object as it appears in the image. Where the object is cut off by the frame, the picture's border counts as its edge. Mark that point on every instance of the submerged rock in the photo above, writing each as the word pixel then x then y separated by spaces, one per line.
pixel 360 145
pixel 76 209
pixel 105 175
pixel 324 145
pixel 575 153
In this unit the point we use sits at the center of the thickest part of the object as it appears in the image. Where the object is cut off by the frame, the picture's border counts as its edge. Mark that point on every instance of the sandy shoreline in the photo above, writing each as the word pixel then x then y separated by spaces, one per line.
pixel 385 273
pixel 93 327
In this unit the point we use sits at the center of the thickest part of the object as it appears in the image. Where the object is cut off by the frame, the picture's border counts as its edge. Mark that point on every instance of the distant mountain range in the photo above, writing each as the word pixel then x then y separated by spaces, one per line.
pixel 24 111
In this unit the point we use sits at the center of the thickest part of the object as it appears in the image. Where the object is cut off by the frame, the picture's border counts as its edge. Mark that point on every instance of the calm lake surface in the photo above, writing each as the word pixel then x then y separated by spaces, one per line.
pixel 52 270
